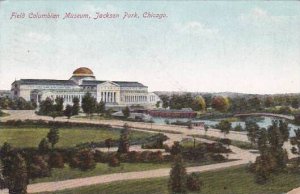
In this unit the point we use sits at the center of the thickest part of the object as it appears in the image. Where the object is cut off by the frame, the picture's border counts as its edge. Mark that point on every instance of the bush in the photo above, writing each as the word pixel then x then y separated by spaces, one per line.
pixel 193 182
pixel 38 167
pixel 114 162
pixel 218 157
pixel 134 156
pixel 56 160
pixel 84 160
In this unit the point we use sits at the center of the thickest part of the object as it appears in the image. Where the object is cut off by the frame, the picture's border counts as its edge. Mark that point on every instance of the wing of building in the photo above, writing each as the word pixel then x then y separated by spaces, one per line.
pixel 113 93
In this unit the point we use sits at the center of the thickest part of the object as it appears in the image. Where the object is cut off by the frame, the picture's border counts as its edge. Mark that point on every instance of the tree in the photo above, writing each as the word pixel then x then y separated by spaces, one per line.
pixel 276 141
pixel 46 106
pixel 198 103
pixel 265 163
pixel 124 140
pixel 178 176
pixel 100 107
pixel 44 146
pixel 59 104
pixel 220 103
pixel 295 103
pixel 108 143
pixel 126 112
pixel 254 103
pixel 176 148
pixel 224 126
pixel 53 136
pixel 295 141
pixel 17 178
pixel 269 101
pixel 75 107
pixel 252 131
pixel 88 104
pixel 68 112
pixel 165 100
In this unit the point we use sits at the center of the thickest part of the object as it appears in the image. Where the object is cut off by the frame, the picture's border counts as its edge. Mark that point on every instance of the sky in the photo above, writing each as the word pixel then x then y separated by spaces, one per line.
pixel 201 46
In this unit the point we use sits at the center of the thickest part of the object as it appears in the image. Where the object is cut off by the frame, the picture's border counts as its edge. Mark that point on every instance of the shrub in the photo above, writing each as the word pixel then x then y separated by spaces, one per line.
pixel 134 156
pixel 218 157
pixel 56 160
pixel 84 160
pixel 38 167
pixel 114 162
pixel 193 182
pixel 176 148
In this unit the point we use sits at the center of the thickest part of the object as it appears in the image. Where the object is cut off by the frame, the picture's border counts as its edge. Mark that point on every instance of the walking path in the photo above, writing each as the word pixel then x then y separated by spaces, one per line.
pixel 242 156
pixel 268 115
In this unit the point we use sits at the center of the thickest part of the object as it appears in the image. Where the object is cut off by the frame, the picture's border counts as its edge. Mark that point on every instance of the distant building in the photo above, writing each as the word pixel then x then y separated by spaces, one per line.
pixel 113 93
pixel 5 94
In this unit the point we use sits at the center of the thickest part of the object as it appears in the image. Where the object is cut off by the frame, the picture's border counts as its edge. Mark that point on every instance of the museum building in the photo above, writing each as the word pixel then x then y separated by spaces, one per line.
pixel 113 93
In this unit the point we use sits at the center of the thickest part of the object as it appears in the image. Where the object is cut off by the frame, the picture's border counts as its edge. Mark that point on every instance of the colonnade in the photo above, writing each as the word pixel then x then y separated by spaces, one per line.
pixel 135 98
pixel 109 96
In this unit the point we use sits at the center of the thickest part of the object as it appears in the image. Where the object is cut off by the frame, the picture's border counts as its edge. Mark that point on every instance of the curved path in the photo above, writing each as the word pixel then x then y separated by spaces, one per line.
pixel 242 156
pixel 266 114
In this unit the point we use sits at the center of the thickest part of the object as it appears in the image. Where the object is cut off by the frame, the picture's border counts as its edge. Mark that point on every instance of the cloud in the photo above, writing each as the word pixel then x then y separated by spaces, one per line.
pixel 258 16
pixel 197 29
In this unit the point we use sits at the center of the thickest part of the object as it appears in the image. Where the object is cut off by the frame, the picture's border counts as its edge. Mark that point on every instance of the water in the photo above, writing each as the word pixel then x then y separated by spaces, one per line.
pixel 262 122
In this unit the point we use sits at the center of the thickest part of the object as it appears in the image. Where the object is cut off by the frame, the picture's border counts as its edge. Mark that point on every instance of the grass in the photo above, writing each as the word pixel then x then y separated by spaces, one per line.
pixel 237 143
pixel 101 169
pixel 235 180
pixel 31 136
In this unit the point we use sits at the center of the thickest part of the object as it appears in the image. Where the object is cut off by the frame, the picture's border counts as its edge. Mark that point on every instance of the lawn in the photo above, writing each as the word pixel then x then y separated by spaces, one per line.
pixel 31 136
pixel 234 180
pixel 101 169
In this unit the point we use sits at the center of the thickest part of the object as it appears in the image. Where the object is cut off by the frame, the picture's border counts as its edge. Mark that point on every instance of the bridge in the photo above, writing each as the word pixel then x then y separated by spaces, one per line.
pixel 281 116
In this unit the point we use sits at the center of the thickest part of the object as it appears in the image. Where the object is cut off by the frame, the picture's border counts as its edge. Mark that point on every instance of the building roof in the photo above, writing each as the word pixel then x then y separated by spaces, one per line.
pixel 128 84
pixel 83 71
pixel 91 82
pixel 46 82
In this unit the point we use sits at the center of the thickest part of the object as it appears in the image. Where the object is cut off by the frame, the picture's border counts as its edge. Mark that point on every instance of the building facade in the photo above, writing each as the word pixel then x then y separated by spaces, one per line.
pixel 113 93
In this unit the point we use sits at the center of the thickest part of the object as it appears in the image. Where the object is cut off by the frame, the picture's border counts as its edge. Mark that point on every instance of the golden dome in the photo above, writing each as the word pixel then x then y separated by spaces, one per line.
pixel 83 71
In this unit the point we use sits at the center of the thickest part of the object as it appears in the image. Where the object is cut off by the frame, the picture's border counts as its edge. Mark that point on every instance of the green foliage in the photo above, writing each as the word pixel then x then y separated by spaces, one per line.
pixel 220 103
pixel 68 112
pixel 176 148
pixel 224 126
pixel 198 103
pixel 295 103
pixel 269 101
pixel 56 160
pixel 53 136
pixel 88 104
pixel 38 167
pixel 124 140
pixel 252 129
pixel 193 182
pixel 100 107
pixel 16 177
pixel 178 176
pixel 44 146
pixel 59 104
pixel 16 104
pixel 75 107
pixel 84 160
